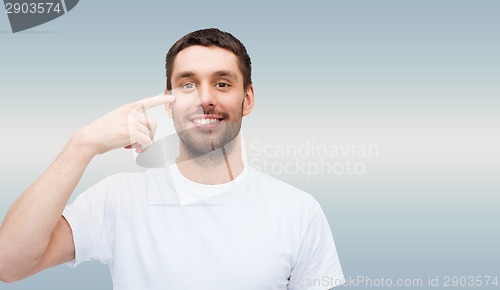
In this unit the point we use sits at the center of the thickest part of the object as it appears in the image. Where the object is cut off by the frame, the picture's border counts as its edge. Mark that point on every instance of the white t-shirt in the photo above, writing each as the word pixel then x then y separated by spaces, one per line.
pixel 159 230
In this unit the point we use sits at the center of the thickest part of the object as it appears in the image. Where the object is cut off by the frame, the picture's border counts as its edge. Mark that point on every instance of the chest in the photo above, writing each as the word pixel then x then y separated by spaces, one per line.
pixel 191 247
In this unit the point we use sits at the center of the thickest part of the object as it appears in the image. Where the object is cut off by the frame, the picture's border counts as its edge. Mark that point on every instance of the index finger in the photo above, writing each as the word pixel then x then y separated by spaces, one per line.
pixel 159 100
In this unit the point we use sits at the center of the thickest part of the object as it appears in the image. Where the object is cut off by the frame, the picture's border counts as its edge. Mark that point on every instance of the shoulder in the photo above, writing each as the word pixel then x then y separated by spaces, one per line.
pixel 128 184
pixel 277 191
pixel 136 180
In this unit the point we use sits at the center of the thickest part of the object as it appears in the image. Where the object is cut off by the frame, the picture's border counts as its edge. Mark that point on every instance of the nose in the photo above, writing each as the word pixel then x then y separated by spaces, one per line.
pixel 207 96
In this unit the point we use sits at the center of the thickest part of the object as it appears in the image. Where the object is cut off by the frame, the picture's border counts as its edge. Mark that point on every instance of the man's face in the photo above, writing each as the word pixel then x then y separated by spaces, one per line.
pixel 210 98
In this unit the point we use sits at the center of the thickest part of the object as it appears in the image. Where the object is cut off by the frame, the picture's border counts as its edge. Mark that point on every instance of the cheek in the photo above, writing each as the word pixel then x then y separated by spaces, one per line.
pixel 179 107
pixel 234 106
pixel 180 112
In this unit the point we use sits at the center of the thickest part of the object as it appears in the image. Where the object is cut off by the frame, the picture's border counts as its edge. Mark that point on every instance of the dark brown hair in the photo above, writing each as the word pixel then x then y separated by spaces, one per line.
pixel 211 37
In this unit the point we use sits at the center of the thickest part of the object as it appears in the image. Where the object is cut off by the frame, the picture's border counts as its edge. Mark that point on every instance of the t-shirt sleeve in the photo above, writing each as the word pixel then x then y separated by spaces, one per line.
pixel 318 266
pixel 91 218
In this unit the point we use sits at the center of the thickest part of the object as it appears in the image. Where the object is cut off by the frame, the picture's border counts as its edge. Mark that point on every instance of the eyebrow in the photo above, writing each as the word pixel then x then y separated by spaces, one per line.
pixel 225 73
pixel 184 74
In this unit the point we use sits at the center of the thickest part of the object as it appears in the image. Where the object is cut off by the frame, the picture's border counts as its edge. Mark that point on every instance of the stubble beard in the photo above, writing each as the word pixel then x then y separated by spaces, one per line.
pixel 205 148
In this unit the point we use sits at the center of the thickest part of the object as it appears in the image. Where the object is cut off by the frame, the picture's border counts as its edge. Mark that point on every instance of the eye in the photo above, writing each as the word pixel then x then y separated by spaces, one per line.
pixel 222 85
pixel 188 87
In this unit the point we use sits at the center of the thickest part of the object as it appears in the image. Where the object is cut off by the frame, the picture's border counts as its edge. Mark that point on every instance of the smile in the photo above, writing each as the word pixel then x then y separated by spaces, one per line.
pixel 206 121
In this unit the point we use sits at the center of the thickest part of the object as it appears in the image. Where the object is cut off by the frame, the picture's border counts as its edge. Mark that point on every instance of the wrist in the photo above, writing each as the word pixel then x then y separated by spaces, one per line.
pixel 81 142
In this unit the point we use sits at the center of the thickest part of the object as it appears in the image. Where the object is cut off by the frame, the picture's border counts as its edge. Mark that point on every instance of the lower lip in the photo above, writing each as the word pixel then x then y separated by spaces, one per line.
pixel 206 126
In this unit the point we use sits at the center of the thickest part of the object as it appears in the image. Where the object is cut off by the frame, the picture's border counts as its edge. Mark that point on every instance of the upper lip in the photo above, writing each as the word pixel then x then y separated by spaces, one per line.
pixel 203 116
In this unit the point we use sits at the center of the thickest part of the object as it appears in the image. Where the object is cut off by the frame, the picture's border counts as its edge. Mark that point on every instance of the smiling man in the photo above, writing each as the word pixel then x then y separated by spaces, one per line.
pixel 205 220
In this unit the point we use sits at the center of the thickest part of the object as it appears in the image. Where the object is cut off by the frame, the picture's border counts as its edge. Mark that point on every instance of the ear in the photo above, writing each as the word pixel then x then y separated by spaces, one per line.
pixel 248 102
pixel 168 106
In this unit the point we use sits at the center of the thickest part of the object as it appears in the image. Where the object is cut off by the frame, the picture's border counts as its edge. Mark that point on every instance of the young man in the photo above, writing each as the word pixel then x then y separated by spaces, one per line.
pixel 206 220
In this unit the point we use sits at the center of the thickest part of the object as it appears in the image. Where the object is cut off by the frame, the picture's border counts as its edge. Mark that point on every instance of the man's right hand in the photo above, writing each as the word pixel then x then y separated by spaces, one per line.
pixel 34 236
pixel 127 126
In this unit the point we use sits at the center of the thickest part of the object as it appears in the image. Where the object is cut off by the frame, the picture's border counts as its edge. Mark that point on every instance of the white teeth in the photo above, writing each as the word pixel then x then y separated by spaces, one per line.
pixel 205 121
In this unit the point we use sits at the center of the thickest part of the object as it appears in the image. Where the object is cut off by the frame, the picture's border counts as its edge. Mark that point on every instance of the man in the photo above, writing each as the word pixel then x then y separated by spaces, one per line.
pixel 204 221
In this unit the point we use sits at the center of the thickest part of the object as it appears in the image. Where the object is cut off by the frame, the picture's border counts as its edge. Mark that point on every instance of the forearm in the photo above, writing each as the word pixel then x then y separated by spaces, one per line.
pixel 27 228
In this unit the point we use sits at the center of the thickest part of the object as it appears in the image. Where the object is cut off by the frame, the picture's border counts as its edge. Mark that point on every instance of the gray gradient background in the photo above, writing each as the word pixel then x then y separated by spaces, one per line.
pixel 420 79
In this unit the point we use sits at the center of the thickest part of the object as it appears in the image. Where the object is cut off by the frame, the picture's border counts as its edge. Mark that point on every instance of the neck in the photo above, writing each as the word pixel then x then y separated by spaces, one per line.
pixel 219 166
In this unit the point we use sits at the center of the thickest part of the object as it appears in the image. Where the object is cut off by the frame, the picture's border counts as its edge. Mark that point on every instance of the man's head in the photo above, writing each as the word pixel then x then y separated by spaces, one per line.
pixel 211 37
pixel 210 73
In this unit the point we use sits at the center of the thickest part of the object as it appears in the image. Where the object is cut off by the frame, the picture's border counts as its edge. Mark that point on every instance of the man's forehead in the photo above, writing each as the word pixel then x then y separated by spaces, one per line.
pixel 202 60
